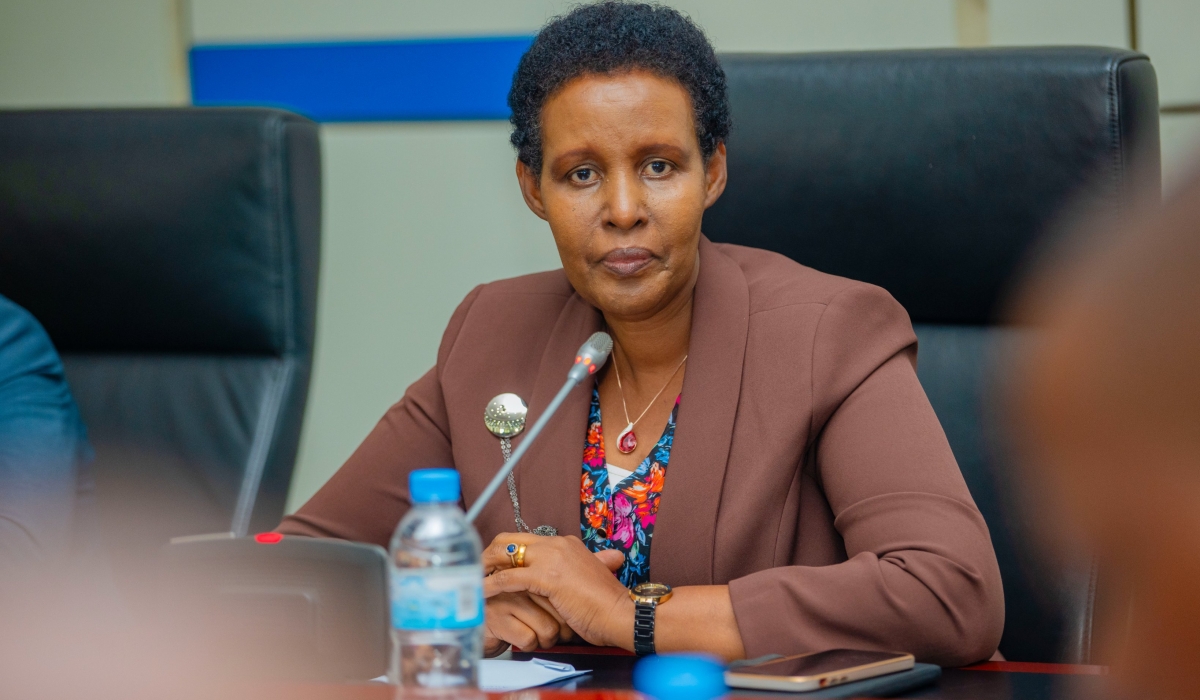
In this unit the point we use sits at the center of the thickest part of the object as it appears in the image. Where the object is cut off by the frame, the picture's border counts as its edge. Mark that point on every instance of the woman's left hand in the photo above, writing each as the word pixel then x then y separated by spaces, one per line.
pixel 577 582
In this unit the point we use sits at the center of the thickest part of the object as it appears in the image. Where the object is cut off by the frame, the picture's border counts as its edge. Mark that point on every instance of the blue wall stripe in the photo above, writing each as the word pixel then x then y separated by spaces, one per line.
pixel 432 79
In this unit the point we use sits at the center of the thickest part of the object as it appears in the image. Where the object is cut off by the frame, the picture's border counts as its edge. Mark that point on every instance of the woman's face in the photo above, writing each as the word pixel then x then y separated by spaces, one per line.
pixel 624 188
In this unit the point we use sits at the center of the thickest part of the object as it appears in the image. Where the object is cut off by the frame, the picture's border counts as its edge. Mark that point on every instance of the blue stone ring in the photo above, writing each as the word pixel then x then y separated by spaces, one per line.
pixel 516 554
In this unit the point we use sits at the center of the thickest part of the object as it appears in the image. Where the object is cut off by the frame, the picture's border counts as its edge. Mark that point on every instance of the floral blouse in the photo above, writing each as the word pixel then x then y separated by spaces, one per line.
pixel 622 518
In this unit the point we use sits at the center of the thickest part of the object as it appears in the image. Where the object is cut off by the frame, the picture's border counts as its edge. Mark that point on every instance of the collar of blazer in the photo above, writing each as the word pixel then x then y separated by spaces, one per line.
pixel 684 531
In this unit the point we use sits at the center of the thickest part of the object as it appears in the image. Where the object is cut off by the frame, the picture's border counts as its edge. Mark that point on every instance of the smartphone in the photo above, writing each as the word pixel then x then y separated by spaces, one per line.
pixel 818 670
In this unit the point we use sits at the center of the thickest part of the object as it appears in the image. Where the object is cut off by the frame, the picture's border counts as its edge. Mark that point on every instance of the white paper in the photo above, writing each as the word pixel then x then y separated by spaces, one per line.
pixel 497 675
pixel 501 675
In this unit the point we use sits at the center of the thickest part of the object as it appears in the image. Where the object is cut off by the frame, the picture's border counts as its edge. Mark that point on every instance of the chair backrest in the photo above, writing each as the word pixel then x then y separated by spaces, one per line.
pixel 932 173
pixel 172 256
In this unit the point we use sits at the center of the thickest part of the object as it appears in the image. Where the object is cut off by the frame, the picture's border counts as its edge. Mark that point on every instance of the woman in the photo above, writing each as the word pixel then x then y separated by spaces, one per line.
pixel 775 457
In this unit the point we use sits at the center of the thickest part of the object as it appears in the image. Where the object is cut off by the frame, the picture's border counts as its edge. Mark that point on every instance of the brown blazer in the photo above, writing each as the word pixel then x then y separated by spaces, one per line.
pixel 808 472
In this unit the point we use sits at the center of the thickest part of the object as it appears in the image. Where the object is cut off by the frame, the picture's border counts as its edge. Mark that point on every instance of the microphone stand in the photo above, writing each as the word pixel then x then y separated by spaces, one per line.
pixel 591 356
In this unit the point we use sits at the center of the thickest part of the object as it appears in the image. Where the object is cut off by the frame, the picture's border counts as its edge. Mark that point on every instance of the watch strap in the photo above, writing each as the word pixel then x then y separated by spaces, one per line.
pixel 643 627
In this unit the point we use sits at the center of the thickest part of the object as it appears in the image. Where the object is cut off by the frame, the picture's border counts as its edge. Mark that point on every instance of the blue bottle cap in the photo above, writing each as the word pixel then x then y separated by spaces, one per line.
pixel 438 485
pixel 680 677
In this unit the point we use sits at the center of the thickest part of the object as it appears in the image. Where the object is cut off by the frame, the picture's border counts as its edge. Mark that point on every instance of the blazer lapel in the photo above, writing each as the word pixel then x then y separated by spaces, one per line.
pixel 681 552
pixel 548 477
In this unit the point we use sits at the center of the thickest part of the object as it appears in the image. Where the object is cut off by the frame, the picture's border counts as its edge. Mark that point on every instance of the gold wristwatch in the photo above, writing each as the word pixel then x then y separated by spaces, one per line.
pixel 646 598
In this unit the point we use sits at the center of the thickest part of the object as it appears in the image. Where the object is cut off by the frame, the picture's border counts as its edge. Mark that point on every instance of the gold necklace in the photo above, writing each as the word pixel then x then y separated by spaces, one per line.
pixel 627 440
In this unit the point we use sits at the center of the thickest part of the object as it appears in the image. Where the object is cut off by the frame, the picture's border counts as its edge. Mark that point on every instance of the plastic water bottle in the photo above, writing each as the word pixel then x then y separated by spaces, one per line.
pixel 436 589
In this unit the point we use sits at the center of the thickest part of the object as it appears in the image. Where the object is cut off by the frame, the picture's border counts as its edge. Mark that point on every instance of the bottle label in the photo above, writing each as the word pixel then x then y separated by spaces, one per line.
pixel 437 598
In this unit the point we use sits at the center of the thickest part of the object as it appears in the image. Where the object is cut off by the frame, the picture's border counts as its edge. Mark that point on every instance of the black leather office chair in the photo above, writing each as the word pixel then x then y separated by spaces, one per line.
pixel 172 256
pixel 931 174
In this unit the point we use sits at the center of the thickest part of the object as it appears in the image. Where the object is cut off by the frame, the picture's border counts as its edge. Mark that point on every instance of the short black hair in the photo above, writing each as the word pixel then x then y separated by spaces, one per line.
pixel 611 37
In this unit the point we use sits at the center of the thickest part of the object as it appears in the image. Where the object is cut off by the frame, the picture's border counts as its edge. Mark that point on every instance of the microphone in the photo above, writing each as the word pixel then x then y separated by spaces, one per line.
pixel 591 357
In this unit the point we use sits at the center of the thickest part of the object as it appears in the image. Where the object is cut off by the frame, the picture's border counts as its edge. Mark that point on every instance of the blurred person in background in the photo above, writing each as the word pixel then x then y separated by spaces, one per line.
pixel 1107 398
pixel 43 443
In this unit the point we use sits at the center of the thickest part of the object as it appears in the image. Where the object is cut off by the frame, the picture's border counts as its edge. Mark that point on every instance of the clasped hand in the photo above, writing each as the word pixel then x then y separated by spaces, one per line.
pixel 563 592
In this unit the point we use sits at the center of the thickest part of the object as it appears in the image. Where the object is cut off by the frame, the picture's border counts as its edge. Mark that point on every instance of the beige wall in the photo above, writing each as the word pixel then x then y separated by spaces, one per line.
pixel 749 25
pixel 418 213
pixel 1170 34
pixel 1032 22
pixel 66 53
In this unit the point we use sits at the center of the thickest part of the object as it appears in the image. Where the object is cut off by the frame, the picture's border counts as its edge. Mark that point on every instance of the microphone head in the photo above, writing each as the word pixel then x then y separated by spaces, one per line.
pixel 592 355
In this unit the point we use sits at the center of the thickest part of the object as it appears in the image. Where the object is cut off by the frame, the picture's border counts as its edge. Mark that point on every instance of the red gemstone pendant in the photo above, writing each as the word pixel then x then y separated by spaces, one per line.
pixel 627 441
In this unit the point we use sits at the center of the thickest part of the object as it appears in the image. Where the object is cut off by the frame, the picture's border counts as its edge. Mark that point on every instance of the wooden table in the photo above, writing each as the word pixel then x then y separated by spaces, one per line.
pixel 612 678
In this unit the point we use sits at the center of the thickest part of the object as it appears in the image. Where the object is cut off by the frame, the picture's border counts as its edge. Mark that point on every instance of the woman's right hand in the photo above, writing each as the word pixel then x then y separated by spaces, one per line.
pixel 524 620
pixel 520 620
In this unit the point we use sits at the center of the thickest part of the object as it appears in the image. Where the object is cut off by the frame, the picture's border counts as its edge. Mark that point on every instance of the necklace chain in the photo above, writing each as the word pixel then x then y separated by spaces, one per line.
pixel 506 449
pixel 621 390
pixel 522 526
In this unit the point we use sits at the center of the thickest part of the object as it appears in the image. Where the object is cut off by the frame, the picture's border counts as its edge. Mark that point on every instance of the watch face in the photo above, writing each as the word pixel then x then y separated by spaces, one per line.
pixel 651 590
